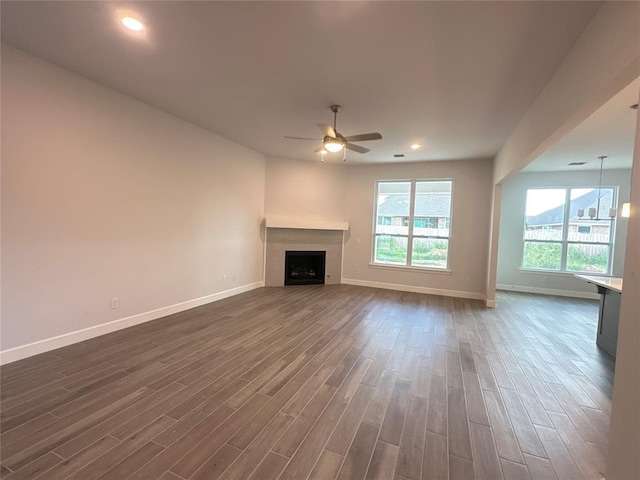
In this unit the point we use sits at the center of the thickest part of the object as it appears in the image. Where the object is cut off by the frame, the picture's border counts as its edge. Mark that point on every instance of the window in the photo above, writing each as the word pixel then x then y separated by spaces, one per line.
pixel 556 238
pixel 425 222
pixel 418 233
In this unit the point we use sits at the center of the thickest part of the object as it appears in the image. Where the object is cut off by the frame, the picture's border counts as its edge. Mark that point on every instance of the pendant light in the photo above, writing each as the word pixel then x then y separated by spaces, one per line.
pixel 594 212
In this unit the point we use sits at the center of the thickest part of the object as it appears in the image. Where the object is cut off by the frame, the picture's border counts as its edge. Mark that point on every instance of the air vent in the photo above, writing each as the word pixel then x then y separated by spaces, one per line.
pixel 398 155
pixel 575 164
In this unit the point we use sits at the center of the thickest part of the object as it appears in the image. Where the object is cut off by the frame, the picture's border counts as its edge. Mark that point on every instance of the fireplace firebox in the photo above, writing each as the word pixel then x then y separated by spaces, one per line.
pixel 304 267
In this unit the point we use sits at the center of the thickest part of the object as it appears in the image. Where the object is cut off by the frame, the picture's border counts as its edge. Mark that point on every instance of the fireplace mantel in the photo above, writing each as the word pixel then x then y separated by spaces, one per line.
pixel 306 224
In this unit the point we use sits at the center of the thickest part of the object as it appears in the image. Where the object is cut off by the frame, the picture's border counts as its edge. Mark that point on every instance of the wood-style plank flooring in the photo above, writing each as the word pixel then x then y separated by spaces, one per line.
pixel 320 382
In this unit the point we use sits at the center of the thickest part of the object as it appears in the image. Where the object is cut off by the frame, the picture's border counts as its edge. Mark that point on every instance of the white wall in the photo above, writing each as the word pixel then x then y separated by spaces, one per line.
pixel 104 196
pixel 311 190
pixel 470 226
pixel 514 193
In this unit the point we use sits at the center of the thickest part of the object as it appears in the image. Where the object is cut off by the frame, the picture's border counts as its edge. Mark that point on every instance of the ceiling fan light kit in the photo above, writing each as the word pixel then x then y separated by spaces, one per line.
pixel 334 142
pixel 333 145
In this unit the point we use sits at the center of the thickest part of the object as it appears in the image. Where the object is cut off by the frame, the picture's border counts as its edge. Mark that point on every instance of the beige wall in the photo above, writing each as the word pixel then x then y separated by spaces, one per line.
pixel 104 196
pixel 470 226
pixel 492 261
pixel 311 190
pixel 514 193
pixel 623 461
pixel 303 192
pixel 604 60
pixel 324 191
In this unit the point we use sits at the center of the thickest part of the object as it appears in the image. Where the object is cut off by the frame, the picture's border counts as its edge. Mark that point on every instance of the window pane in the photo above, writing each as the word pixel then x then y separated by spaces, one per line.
pixel 587 258
pixel 432 208
pixel 544 214
pixel 542 255
pixel 391 250
pixel 429 252
pixel 426 222
pixel 583 227
pixel 393 207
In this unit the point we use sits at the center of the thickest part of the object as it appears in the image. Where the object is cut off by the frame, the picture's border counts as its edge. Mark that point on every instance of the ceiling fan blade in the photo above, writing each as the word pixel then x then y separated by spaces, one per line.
pixel 318 150
pixel 356 148
pixel 302 138
pixel 363 137
pixel 327 130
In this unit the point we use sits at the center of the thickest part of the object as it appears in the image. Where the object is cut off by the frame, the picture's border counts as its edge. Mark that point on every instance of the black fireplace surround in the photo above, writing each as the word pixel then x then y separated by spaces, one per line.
pixel 304 267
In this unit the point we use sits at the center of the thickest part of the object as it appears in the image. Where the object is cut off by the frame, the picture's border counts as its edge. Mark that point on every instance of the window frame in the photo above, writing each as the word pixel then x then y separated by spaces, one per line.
pixel 564 240
pixel 410 227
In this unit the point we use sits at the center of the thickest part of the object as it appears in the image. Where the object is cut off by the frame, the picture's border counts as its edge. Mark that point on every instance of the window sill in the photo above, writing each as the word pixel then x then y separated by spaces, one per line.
pixel 561 273
pixel 441 271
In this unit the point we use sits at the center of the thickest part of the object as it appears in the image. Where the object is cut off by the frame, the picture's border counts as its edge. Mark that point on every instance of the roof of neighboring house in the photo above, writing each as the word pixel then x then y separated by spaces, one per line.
pixel 586 201
pixel 427 205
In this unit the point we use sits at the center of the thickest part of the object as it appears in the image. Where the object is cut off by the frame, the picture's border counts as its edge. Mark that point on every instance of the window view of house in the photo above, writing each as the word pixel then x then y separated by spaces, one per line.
pixel 412 223
pixel 569 229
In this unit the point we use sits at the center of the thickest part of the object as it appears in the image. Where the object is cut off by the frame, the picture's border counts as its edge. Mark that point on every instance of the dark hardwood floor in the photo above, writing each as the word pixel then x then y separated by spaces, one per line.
pixel 320 382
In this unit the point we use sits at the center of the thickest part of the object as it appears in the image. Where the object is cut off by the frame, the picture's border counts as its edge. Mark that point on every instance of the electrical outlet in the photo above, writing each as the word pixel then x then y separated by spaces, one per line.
pixel 358 240
pixel 234 278
pixel 357 269
pixel 115 302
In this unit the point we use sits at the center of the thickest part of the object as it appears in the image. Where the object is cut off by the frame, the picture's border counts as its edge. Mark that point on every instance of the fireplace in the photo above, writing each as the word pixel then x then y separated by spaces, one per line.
pixel 279 241
pixel 304 267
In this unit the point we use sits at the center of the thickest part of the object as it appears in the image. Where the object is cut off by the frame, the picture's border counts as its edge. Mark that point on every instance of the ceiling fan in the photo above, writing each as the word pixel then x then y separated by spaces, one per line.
pixel 334 141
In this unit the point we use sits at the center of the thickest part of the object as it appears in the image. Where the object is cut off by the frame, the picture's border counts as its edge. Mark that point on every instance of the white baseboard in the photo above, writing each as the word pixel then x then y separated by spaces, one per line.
pixel 548 291
pixel 489 303
pixel 41 346
pixel 414 289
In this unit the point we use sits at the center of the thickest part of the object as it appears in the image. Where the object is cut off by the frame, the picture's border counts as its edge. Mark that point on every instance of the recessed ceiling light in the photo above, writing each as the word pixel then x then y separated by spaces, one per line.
pixel 132 24
pixel 415 146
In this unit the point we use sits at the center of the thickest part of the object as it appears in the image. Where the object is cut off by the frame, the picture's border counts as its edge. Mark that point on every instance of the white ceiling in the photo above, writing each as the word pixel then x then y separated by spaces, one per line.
pixel 454 76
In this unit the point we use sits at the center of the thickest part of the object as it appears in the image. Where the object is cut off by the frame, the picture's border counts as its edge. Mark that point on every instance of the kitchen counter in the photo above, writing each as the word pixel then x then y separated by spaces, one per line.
pixel 612 283
pixel 610 290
